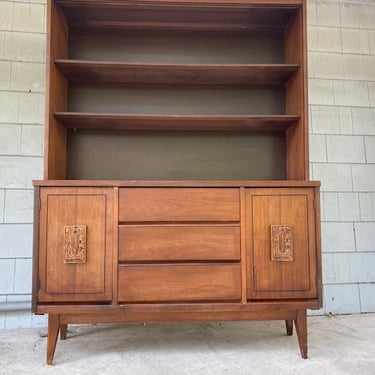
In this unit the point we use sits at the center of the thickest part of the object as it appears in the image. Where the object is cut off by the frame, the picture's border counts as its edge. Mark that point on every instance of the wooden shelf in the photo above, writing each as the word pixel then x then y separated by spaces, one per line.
pixel 113 121
pixel 120 72
pixel 174 15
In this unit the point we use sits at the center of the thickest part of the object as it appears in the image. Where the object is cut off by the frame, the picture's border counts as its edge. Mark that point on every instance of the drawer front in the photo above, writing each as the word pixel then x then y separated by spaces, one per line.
pixel 168 243
pixel 179 204
pixel 158 283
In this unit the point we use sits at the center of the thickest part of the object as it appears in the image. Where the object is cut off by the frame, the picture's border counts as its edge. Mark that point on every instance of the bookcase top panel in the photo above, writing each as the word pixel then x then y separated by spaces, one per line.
pixel 206 15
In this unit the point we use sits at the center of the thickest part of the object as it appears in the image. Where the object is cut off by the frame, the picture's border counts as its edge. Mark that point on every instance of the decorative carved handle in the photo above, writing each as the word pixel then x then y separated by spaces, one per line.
pixel 282 243
pixel 75 244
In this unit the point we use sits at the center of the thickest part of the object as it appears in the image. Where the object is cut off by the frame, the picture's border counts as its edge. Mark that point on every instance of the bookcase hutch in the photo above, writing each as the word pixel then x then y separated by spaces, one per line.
pixel 176 183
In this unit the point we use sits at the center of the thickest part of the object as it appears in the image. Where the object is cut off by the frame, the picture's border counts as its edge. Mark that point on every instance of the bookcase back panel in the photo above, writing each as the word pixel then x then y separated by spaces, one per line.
pixel 175 155
pixel 265 47
pixel 178 99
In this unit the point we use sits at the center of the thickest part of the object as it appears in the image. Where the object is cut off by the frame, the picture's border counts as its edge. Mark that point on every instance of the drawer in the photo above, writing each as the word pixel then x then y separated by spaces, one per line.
pixel 179 204
pixel 179 282
pixel 168 243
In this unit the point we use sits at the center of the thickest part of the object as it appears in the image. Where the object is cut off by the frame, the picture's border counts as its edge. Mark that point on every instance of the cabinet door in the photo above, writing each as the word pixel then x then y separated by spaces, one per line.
pixel 281 243
pixel 75 244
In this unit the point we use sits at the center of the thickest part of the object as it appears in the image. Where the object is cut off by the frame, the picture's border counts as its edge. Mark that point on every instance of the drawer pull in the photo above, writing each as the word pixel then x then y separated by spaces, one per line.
pixel 282 243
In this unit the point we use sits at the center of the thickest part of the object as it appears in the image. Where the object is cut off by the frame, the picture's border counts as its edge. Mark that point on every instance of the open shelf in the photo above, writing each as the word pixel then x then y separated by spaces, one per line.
pixel 121 72
pixel 193 15
pixel 114 121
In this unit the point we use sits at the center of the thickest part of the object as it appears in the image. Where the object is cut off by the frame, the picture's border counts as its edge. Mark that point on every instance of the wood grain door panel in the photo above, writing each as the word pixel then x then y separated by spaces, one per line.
pixel 281 265
pixel 90 280
pixel 179 282
pixel 179 204
pixel 173 243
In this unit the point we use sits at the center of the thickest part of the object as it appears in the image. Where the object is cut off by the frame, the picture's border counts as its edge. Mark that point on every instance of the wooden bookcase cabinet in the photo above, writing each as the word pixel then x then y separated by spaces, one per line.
pixel 176 165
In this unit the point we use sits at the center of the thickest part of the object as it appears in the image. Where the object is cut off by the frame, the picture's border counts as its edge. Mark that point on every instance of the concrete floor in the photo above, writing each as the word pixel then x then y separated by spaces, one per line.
pixel 337 345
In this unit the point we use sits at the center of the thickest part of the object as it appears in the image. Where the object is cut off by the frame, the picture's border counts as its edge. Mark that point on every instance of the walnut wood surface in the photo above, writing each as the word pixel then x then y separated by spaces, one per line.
pixel 182 282
pixel 65 282
pixel 179 204
pixel 218 74
pixel 175 243
pixel 119 121
pixel 270 279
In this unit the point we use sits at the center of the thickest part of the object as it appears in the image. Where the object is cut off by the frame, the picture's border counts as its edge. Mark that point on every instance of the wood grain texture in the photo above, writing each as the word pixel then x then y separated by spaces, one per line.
pixel 182 282
pixel 178 204
pixel 270 279
pixel 122 72
pixel 56 94
pixel 176 243
pixel 66 282
pixel 122 121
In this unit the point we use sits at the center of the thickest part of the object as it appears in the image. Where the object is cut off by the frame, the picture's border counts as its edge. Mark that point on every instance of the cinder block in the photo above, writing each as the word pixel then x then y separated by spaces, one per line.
pixel 324 39
pixel 29 77
pixel 24 47
pixel 340 268
pixel 367 293
pixel 349 206
pixel 367 206
pixel 18 172
pixel 18 298
pixel 311 13
pixel 370 149
pixel 364 234
pixel 371 38
pixel 28 17
pixel 341 299
pixel 326 65
pixel 317 148
pixel 350 93
pixel 6 15
pixel 369 67
pixel 331 206
pixel 7 275
pixel 321 92
pixel 371 91
pixel 18 319
pixel 353 66
pixel 22 279
pixel 5 68
pixel 18 206
pixel 39 321
pixel 31 108
pixel 10 139
pixel 334 177
pixel 338 237
pixel 2 198
pixel 346 121
pixel 346 149
pixel 327 13
pixel 9 106
pixel 364 121
pixel 355 41
pixel 32 140
pixel 355 14
pixel 16 240
pixel 363 177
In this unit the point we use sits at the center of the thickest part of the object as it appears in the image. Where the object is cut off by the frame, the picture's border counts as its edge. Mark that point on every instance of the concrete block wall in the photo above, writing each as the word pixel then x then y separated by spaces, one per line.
pixel 341 53
pixel 22 87
pixel 341 42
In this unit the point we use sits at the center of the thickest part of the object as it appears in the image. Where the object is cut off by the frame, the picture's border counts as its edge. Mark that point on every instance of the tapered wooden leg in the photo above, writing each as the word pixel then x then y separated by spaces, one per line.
pixel 289 327
pixel 63 331
pixel 301 328
pixel 53 332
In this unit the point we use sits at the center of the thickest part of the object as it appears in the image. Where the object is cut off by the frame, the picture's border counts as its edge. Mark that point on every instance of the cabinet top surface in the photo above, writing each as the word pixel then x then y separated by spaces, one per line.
pixel 175 183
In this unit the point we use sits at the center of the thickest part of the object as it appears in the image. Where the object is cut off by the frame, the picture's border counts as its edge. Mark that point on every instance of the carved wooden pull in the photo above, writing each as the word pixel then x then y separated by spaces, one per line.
pixel 75 244
pixel 282 243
